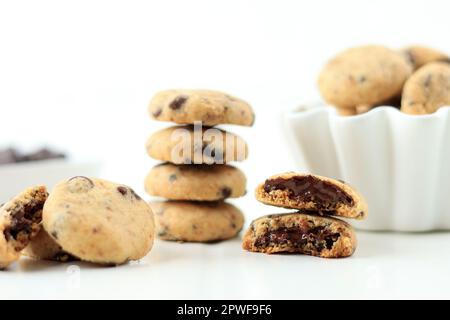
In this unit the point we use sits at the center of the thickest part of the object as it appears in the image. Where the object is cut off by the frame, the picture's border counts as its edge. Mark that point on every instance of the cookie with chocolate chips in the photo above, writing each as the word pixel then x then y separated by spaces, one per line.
pixel 196 221
pixel 207 106
pixel 195 182
pixel 301 232
pixel 363 76
pixel 99 221
pixel 20 221
pixel 427 89
pixel 326 196
pixel 43 247
pixel 419 56
pixel 192 145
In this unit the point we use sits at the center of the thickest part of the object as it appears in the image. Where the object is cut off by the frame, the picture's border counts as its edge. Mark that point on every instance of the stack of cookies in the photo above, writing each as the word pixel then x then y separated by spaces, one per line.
pixel 415 79
pixel 312 229
pixel 195 176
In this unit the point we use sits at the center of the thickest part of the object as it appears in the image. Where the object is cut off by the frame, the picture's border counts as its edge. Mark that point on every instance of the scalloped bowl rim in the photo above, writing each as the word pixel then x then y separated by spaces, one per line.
pixel 303 110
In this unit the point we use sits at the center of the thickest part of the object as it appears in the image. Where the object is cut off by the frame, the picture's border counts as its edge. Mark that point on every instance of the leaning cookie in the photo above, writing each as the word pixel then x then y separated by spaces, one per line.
pixel 20 221
pixel 43 247
pixel 197 221
pixel 99 221
pixel 195 182
pixel 419 56
pixel 312 192
pixel 303 233
pixel 427 89
pixel 207 106
pixel 186 145
pixel 363 76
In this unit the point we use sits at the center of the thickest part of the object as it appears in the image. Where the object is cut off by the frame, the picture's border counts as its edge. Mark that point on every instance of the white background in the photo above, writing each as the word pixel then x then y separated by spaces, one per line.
pixel 78 75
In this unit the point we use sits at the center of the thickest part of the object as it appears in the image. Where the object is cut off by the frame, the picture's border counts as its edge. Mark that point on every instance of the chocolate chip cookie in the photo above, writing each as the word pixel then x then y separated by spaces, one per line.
pixel 43 247
pixel 207 106
pixel 20 221
pixel 363 76
pixel 195 182
pixel 197 221
pixel 99 221
pixel 324 195
pixel 427 89
pixel 419 56
pixel 196 145
pixel 300 232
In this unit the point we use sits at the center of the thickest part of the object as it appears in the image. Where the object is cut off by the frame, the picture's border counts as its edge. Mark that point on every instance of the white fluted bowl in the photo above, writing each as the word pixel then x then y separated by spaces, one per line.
pixel 399 162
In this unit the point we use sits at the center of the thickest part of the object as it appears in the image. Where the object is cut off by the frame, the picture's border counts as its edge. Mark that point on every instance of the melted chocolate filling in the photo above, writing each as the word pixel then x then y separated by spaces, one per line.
pixel 327 196
pixel 23 224
pixel 303 240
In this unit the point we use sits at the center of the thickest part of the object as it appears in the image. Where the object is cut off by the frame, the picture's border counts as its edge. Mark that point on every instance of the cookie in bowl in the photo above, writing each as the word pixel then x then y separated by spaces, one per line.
pixel 363 76
pixel 428 89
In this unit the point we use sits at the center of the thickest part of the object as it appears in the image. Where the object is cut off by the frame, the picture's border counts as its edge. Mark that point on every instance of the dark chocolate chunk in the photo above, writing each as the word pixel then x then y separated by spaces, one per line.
pixel 172 177
pixel 54 234
pixel 42 154
pixel 85 178
pixel 225 192
pixel 123 190
pixel 178 102
pixel 324 194
pixel 157 112
pixel 210 151
pixel 9 155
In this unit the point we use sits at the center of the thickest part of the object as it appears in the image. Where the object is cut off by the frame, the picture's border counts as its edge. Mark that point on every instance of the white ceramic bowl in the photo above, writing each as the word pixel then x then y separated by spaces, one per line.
pixel 399 162
pixel 18 176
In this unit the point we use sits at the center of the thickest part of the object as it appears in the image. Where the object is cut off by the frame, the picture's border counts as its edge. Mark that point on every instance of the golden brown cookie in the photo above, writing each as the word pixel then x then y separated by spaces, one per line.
pixel 197 221
pixel 20 221
pixel 195 182
pixel 207 106
pixel 427 89
pixel 363 76
pixel 299 232
pixel 419 56
pixel 99 221
pixel 193 145
pixel 43 247
pixel 324 195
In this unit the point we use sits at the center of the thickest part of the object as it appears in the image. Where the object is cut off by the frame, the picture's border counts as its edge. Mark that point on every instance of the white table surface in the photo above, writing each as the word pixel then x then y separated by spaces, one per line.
pixel 385 266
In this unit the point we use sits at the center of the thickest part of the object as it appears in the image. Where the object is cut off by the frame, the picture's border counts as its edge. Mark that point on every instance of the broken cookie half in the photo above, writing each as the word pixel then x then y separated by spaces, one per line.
pixel 301 232
pixel 323 195
pixel 312 230
pixel 20 222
